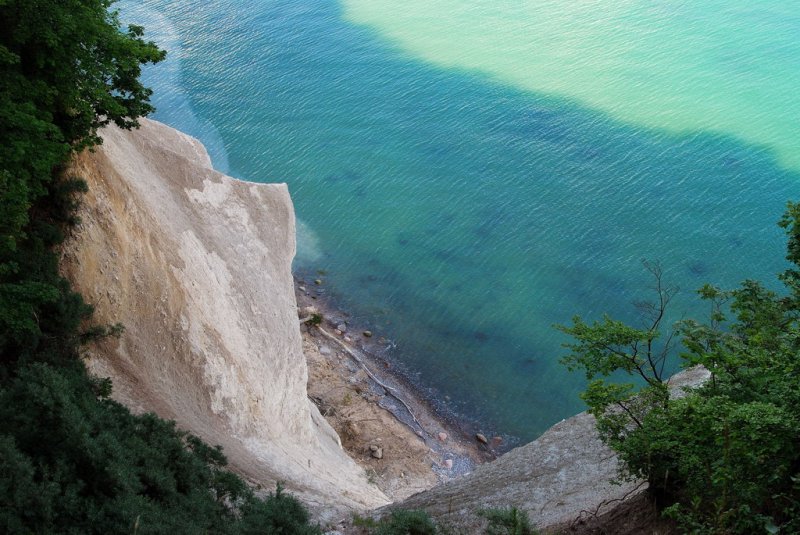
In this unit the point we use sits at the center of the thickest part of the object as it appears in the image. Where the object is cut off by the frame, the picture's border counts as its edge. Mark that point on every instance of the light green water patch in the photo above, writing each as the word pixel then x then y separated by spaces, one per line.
pixel 726 66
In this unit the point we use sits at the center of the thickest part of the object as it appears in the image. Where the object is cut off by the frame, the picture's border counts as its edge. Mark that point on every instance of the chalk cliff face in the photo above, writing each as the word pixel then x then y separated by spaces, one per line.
pixel 196 266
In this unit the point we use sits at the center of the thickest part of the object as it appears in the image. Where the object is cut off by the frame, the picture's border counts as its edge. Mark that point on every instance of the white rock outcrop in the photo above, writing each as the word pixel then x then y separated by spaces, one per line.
pixel 197 268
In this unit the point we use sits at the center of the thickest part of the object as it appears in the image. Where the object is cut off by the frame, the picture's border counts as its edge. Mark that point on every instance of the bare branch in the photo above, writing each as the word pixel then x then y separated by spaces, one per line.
pixel 630 414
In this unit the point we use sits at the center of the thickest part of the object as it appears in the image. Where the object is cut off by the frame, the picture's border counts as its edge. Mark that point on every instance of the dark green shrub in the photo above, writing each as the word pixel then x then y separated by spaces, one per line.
pixel 364 522
pixel 402 522
pixel 279 513
pixel 724 458
pixel 72 460
pixel 510 521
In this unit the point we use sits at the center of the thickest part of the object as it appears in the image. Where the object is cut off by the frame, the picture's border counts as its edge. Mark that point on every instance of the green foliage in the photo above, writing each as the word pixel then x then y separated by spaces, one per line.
pixel 66 69
pixel 507 521
pixel 364 521
pixel 71 459
pixel 723 458
pixel 791 277
pixel 71 462
pixel 279 514
pixel 73 63
pixel 98 332
pixel 510 521
pixel 98 468
pixel 403 522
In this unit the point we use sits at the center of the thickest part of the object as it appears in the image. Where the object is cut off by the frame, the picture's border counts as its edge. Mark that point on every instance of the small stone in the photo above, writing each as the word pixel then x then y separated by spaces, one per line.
pixel 348 339
pixel 337 331
pixel 442 436
pixel 324 350
pixel 496 441
pixel 448 463
pixel 317 281
pixel 301 288
pixel 368 334
pixel 481 438
pixel 377 452
pixel 342 327
pixel 373 447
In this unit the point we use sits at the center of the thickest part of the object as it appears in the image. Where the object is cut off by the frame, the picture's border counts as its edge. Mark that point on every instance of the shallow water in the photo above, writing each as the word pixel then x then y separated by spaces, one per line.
pixel 728 66
pixel 462 211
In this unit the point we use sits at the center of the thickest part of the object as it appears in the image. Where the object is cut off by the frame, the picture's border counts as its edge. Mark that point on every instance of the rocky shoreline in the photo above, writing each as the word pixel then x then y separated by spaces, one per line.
pixel 386 425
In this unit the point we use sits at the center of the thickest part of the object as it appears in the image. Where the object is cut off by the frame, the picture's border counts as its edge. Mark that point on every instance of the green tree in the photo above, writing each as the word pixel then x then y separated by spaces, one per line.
pixel 66 69
pixel 508 521
pixel 407 522
pixel 722 458
pixel 71 459
pixel 70 462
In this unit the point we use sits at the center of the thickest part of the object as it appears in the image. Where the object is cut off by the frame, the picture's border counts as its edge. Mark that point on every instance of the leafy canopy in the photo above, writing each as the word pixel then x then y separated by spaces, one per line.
pixel 724 457
pixel 71 459
pixel 66 69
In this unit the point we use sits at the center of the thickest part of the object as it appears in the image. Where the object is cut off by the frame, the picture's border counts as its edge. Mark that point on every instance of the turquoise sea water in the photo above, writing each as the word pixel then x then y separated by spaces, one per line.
pixel 467 174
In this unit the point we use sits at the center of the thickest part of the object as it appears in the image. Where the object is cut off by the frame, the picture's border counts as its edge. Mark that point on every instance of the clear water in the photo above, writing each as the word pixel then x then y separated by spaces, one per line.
pixel 469 173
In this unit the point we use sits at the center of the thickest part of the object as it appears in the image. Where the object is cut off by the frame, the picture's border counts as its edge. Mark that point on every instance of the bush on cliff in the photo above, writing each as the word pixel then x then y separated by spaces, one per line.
pixel 66 69
pixel 724 458
pixel 72 460
pixel 405 522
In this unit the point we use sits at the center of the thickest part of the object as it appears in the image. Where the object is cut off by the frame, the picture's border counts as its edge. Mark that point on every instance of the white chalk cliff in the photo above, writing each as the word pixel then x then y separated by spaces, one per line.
pixel 197 268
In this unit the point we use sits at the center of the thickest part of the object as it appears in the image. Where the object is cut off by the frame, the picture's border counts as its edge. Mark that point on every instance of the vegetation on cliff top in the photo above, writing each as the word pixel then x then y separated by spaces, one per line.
pixel 71 459
pixel 724 458
pixel 506 521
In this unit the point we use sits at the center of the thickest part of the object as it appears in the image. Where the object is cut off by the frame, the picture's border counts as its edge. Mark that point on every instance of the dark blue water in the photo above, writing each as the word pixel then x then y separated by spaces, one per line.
pixel 458 217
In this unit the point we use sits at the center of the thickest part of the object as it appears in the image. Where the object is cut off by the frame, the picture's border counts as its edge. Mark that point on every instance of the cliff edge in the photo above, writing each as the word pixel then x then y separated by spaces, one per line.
pixel 197 268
